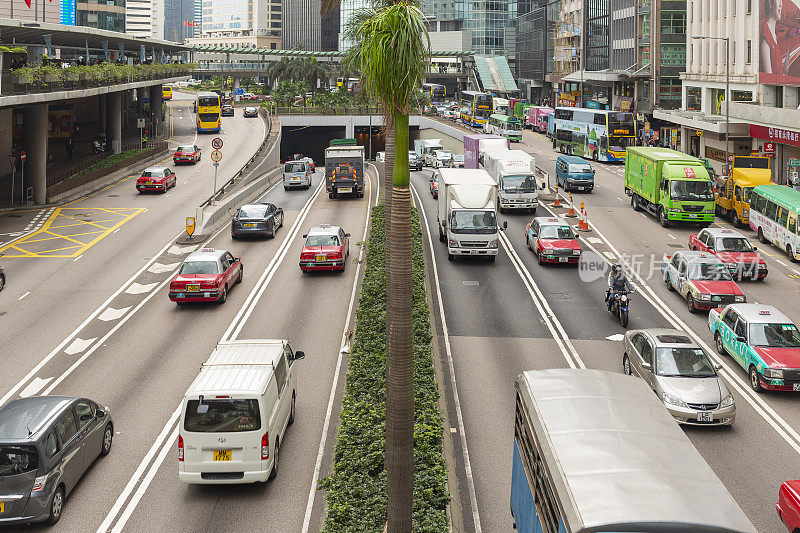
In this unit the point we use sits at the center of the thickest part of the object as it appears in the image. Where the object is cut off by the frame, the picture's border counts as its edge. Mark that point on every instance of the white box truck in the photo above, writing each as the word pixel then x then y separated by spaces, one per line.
pixel 236 411
pixel 487 145
pixel 426 150
pixel 513 171
pixel 467 216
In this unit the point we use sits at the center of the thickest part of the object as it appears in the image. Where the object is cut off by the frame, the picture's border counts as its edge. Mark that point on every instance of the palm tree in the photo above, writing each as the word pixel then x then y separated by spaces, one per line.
pixel 394 49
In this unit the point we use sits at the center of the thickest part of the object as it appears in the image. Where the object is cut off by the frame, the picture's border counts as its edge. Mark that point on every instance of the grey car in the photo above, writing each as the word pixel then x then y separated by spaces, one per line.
pixel 46 445
pixel 414 161
pixel 681 374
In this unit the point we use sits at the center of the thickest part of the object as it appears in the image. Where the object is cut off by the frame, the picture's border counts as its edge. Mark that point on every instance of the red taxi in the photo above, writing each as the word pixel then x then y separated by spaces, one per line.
pixel 156 179
pixel 552 240
pixel 788 505
pixel 188 153
pixel 326 248
pixel 206 276
pixel 733 249
pixel 434 185
pixel 702 279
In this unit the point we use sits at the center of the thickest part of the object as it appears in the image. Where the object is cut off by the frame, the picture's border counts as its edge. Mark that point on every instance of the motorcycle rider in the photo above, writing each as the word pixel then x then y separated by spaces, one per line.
pixel 617 281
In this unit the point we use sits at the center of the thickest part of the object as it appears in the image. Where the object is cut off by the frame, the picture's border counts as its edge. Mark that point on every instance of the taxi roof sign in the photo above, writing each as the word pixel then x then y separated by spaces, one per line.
pixel 209 250
pixel 764 312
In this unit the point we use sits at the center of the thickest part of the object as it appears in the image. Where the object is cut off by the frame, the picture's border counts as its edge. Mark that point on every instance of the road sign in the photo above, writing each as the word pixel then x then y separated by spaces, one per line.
pixel 190 226
pixel 140 123
pixel 216 156
pixel 239 91
pixel 145 100
pixel 216 143
pixel 23 156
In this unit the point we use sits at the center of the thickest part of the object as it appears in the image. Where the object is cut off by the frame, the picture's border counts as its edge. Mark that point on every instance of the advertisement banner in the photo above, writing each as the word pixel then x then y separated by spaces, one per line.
pixel 779 42
pixel 778 135
pixel 68 12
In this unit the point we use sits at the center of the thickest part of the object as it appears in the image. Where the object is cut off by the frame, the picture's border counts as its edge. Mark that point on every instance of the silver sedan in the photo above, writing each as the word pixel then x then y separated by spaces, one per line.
pixel 681 374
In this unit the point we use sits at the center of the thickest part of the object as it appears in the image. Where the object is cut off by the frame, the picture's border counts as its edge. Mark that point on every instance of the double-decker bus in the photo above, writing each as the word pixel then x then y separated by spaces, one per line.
pixel 435 91
pixel 598 134
pixel 509 127
pixel 208 112
pixel 166 92
pixel 597 451
pixel 476 107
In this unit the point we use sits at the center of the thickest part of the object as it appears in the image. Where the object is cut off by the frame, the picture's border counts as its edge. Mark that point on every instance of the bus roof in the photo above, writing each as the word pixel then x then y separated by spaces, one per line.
pixel 781 194
pixel 473 93
pixel 506 118
pixel 618 460
pixel 205 94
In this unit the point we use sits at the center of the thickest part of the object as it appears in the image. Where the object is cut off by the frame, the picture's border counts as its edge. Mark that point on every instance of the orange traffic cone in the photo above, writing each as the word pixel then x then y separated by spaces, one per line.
pixel 583 224
pixel 557 203
pixel 571 212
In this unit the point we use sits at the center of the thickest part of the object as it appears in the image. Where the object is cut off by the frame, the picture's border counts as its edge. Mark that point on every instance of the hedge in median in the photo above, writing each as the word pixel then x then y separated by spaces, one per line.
pixel 356 491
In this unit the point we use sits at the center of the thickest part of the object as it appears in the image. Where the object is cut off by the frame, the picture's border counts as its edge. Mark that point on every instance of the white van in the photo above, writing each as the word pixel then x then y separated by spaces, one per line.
pixel 296 174
pixel 236 412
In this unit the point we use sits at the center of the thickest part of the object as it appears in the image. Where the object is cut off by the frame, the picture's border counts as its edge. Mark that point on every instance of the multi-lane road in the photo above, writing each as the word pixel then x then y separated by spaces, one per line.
pixel 85 312
pixel 515 315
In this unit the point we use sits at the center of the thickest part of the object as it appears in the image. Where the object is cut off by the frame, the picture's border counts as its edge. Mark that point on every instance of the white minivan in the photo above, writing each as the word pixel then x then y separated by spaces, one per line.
pixel 236 412
pixel 296 174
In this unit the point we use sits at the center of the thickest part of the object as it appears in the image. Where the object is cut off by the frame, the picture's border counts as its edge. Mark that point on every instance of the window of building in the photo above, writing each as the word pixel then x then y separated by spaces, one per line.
pixel 670 89
pixel 733 52
pixel 741 96
pixel 749 6
pixel 272 46
pixel 749 51
pixel 693 98
pixel 646 25
pixel 673 22
pixel 778 96
pixel 275 16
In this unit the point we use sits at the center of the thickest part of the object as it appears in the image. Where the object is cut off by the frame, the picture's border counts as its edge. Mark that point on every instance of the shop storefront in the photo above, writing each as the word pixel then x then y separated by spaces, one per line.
pixel 781 145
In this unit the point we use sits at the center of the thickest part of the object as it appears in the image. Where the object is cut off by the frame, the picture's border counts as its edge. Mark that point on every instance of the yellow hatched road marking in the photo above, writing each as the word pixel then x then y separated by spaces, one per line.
pixel 29 245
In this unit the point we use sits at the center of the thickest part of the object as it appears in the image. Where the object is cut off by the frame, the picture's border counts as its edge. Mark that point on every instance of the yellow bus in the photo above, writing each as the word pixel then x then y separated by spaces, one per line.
pixel 208 112
pixel 166 92
pixel 475 108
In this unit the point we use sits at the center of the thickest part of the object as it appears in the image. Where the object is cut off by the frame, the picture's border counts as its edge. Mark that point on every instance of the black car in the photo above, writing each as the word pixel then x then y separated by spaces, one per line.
pixel 257 219
pixel 46 445
pixel 2 278
pixel 227 110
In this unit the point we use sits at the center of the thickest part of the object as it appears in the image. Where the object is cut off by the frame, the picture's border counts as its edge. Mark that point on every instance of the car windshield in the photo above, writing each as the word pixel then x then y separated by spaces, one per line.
pixel 186 148
pixel 709 272
pixel 556 232
pixel 580 168
pixel 208 101
pixel 199 267
pixel 152 174
pixel 734 244
pixel 18 459
pixel 473 220
pixel 208 117
pixel 774 335
pixel 251 212
pixel 746 194
pixel 294 167
pixel 522 183
pixel 322 240
pixel 222 416
pixel 683 362
pixel 691 190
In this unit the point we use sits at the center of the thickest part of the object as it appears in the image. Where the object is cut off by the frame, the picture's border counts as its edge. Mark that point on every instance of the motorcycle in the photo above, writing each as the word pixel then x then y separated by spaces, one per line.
pixel 619 305
pixel 99 145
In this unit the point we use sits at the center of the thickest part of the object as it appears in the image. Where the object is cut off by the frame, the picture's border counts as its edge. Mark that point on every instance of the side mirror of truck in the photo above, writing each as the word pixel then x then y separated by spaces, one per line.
pixel 593 172
pixel 299 355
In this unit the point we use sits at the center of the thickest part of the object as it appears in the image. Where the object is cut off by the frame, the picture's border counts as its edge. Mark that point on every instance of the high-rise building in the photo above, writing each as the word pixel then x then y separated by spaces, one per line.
pixel 198 17
pixel 347 9
pixel 178 20
pixel 39 10
pixel 302 24
pixel 596 28
pixel 145 18
pixel 487 21
pixel 108 15
pixel 243 23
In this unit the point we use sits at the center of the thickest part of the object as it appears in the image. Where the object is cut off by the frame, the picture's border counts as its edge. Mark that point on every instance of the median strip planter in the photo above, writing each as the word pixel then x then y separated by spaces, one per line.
pixel 356 490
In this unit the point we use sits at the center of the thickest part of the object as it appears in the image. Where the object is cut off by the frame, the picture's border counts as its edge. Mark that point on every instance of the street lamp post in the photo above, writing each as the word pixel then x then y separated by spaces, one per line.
pixel 727 94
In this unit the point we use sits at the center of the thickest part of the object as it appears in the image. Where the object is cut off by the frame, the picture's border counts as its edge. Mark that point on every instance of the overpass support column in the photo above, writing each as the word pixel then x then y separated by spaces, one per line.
pixel 155 107
pixel 34 141
pixel 6 116
pixel 140 95
pixel 114 120
pixel 349 128
pixel 236 82
pixel 101 115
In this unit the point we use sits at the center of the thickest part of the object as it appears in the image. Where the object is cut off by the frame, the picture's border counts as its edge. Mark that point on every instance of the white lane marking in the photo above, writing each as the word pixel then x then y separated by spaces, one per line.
pixel 75 332
pixel 781 262
pixel 138 288
pixel 610 255
pixel 615 337
pixel 78 345
pixel 112 514
pixel 77 258
pixel 643 215
pixel 112 314
pixel 23 296
pixel 34 387
pixel 473 499
pixel 158 268
pixel 181 250
pixel 793 270
pixel 321 451
pixel 671 236
pixel 263 281
pixel 594 240
pixel 770 416
pixel 116 230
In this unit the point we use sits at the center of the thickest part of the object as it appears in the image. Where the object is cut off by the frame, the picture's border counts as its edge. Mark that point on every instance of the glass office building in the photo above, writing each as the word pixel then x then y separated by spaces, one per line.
pixel 105 15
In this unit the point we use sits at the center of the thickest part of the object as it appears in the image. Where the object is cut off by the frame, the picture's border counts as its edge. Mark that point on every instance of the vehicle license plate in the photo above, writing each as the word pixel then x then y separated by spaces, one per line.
pixel 345 189
pixel 222 455
pixel 321 258
pixel 705 416
pixel 2 507
pixel 248 225
pixel 580 188
pixel 796 386
pixel 193 288
pixel 692 216
pixel 474 252
pixel 295 178
pixel 149 183
pixel 563 259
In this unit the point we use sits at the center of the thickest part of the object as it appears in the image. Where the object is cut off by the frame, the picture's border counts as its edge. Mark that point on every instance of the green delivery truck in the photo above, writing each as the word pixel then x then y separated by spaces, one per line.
pixel 671 185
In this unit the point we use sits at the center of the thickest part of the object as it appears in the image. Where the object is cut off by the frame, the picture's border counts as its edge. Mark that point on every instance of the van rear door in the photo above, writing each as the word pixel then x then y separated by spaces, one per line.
pixel 223 435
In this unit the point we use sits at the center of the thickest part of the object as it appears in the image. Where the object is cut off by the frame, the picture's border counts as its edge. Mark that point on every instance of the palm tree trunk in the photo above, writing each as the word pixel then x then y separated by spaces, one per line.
pixel 388 170
pixel 399 355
